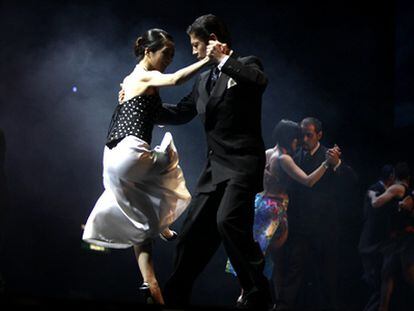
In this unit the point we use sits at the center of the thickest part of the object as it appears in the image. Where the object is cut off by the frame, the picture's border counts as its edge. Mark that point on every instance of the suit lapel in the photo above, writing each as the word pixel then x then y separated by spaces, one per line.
pixel 218 91
pixel 202 93
pixel 220 88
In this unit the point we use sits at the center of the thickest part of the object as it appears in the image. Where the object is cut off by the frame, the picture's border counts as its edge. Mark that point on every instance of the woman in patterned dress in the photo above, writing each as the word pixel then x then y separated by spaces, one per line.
pixel 270 227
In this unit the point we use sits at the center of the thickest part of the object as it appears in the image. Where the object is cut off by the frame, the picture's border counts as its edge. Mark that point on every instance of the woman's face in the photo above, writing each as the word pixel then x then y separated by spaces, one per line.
pixel 160 59
pixel 294 145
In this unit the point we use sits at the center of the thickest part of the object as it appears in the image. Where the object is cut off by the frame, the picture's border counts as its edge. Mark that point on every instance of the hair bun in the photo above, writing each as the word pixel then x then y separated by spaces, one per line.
pixel 139 41
pixel 139 46
pixel 153 40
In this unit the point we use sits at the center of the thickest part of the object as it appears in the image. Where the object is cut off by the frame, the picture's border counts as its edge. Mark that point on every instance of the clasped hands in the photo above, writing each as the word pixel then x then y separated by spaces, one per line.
pixel 216 51
pixel 333 155
pixel 407 204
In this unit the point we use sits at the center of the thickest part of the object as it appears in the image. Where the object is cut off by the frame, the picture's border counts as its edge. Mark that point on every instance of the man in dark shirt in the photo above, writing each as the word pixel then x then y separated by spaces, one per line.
pixel 312 218
pixel 394 233
pixel 371 237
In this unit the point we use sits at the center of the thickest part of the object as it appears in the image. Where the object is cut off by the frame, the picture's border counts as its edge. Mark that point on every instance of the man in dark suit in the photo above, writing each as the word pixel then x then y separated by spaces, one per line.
pixel 228 99
pixel 373 235
pixel 312 217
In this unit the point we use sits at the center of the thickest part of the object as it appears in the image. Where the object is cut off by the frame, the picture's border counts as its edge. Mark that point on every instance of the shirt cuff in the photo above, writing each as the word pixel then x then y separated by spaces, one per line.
pixel 336 166
pixel 224 60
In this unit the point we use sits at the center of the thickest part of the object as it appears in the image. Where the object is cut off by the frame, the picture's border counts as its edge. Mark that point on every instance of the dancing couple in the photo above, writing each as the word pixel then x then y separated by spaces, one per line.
pixel 145 189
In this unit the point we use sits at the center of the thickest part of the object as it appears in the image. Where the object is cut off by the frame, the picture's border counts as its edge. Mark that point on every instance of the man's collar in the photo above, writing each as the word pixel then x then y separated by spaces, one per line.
pixel 313 151
pixel 233 54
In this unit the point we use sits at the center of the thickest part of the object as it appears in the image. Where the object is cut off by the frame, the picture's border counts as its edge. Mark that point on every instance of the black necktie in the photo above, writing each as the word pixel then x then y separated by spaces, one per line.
pixel 215 72
pixel 307 156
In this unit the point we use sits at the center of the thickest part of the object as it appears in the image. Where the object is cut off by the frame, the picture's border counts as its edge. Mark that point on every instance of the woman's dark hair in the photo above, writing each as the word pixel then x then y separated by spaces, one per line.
pixel 387 172
pixel 285 132
pixel 205 25
pixel 153 39
pixel 402 171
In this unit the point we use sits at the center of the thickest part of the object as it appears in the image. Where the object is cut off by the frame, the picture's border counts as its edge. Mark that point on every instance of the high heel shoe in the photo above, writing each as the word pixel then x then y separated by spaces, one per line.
pixel 144 289
pixel 171 238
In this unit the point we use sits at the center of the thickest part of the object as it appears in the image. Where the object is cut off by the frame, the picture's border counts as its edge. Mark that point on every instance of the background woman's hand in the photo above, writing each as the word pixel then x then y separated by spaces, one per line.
pixel 407 204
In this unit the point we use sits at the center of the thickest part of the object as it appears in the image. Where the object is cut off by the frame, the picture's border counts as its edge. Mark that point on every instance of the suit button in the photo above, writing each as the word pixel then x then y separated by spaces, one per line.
pixel 210 152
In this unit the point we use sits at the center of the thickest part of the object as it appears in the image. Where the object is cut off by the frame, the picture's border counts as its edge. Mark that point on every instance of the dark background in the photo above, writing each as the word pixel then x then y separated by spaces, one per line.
pixel 347 63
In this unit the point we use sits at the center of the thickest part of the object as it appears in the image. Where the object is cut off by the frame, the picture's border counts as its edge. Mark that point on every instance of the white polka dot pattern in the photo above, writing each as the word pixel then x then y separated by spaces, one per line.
pixel 134 117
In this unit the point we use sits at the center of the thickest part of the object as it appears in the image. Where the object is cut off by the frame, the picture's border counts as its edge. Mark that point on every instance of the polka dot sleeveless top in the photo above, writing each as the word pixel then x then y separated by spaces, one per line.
pixel 134 117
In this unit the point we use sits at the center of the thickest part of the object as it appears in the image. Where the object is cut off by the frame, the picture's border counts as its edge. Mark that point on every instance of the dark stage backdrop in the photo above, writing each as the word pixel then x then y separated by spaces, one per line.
pixel 61 65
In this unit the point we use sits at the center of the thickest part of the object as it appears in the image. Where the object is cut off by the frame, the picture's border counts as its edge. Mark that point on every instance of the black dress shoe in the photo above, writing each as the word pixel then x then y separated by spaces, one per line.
pixel 144 289
pixel 254 301
pixel 240 301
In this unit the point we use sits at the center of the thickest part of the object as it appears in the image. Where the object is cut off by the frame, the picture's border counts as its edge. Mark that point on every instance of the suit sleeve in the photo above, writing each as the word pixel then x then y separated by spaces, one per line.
pixel 345 182
pixel 183 112
pixel 250 71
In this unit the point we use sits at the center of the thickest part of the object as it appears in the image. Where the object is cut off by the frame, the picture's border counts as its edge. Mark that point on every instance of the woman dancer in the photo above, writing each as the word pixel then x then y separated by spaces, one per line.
pixel 397 230
pixel 270 227
pixel 144 189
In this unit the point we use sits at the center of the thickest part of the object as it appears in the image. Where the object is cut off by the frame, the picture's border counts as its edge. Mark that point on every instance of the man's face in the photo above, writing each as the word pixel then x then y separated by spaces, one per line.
pixel 310 136
pixel 199 47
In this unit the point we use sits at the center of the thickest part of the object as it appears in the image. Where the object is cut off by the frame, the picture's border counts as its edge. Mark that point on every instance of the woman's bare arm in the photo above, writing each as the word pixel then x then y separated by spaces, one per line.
pixel 391 192
pixel 295 172
pixel 155 78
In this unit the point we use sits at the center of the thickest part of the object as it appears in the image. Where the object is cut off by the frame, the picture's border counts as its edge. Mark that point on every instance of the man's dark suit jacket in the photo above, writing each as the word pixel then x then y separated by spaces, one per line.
pixel 314 210
pixel 375 226
pixel 231 115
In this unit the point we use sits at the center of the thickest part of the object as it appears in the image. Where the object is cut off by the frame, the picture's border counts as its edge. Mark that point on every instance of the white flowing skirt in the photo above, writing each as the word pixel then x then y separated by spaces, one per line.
pixel 144 193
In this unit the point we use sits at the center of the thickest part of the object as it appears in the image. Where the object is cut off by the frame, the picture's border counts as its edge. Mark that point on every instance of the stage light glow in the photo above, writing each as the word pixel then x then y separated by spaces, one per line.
pixel 74 89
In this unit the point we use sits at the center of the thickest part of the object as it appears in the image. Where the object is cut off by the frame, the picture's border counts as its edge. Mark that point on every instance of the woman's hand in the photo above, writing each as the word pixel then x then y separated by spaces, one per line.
pixel 407 204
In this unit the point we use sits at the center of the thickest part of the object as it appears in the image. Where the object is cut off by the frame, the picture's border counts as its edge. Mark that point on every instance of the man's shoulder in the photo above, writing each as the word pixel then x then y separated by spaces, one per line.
pixel 248 59
pixel 378 186
pixel 322 148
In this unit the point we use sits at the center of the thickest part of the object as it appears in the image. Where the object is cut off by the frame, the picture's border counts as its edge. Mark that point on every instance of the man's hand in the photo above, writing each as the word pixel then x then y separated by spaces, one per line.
pixel 407 204
pixel 121 94
pixel 216 50
pixel 333 155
